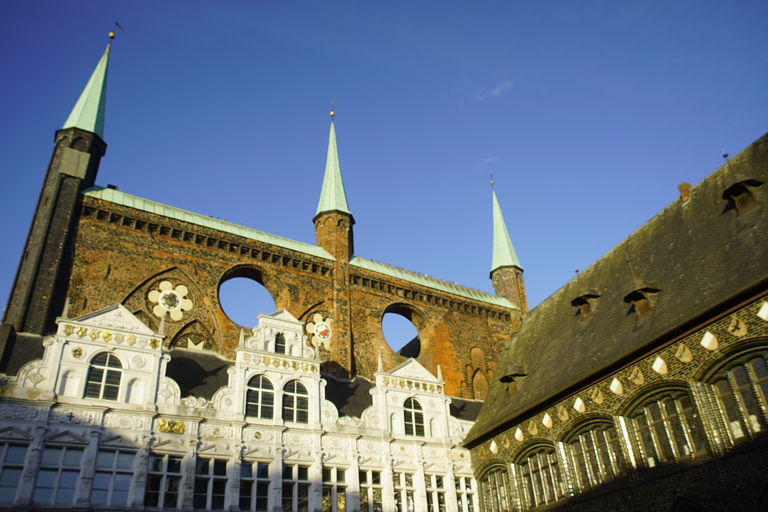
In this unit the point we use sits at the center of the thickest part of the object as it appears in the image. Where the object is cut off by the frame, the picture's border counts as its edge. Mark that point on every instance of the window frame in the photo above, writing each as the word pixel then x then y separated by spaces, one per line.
pixel 371 490
pixel 599 458
pixel 295 402
pixel 166 479
pixel 101 384
pixel 14 468
pixel 413 418
pixel 255 479
pixel 115 473
pixel 63 466
pixel 211 482
pixel 256 396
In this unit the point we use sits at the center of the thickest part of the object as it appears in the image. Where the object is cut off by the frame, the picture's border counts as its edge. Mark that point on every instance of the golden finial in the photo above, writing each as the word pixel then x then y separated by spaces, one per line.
pixel 111 35
pixel 492 182
pixel 333 105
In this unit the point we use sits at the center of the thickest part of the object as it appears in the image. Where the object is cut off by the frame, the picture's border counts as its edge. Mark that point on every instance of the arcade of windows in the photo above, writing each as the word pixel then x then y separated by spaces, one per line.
pixel 662 429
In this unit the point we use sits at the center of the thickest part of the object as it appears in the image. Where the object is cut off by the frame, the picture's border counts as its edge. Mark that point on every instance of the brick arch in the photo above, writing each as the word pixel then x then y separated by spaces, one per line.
pixel 728 357
pixel 584 421
pixel 479 385
pixel 646 393
pixel 274 285
pixel 194 331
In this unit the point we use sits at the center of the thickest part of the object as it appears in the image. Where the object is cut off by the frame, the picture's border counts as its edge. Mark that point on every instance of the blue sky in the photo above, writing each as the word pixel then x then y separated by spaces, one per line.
pixel 588 114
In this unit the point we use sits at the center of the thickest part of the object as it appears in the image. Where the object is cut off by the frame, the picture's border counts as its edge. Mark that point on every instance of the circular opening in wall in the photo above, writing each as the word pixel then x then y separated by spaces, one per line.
pixel 243 299
pixel 400 333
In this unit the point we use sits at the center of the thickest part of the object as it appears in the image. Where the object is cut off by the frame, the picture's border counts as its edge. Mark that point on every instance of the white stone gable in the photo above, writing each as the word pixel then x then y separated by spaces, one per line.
pixel 116 318
pixel 412 369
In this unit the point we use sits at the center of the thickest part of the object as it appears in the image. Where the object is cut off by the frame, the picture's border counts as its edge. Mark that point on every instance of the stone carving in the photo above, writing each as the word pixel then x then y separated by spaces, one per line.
pixel 170 300
pixel 71 416
pixel 18 412
pixel 138 362
pixel 125 421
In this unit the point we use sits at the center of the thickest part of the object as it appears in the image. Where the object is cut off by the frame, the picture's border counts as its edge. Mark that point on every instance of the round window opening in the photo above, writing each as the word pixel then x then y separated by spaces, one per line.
pixel 243 299
pixel 400 333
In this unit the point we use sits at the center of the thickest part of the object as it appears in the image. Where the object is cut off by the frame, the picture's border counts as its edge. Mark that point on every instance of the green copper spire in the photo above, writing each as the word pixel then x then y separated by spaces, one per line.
pixel 88 113
pixel 503 252
pixel 332 197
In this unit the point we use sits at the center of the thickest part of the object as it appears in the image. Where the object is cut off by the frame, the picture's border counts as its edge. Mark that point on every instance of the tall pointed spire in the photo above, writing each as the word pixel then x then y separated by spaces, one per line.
pixel 503 252
pixel 88 114
pixel 332 196
pixel 506 272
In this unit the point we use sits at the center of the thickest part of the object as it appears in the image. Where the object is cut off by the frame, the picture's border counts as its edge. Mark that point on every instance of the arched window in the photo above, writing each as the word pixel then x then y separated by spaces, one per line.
pixel 280 343
pixel 414 418
pixel 668 429
pixel 596 455
pixel 260 398
pixel 742 390
pixel 494 488
pixel 542 477
pixel 104 377
pixel 295 402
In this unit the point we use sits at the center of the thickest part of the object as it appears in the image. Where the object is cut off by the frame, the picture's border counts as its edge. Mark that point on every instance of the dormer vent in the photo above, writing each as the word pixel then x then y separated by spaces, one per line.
pixel 685 191
pixel 511 374
pixel 642 298
pixel 739 193
pixel 586 304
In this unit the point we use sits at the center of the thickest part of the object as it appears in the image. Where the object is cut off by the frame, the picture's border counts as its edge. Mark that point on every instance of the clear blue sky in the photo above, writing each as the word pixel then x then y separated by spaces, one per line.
pixel 588 114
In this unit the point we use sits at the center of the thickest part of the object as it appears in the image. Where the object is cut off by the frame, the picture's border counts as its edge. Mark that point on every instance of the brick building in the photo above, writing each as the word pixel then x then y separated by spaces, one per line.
pixel 642 383
pixel 125 385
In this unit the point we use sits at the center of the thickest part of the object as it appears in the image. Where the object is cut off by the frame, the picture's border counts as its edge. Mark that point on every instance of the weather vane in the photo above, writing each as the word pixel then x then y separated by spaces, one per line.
pixel 116 25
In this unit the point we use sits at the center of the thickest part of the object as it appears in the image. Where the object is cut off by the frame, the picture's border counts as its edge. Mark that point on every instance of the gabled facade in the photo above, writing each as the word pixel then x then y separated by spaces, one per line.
pixel 98 423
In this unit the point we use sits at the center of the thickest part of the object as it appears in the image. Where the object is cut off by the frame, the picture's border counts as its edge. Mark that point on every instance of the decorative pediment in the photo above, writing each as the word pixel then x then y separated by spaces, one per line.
pixel 213 449
pixel 258 452
pixel 117 442
pixel 66 437
pixel 298 456
pixel 372 463
pixel 403 465
pixel 12 434
pixel 412 369
pixel 282 314
pixel 337 459
pixel 168 445
pixel 115 318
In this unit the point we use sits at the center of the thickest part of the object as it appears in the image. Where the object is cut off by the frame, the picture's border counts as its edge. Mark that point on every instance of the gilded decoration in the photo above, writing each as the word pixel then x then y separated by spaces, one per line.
pixel 171 426
pixel 77 352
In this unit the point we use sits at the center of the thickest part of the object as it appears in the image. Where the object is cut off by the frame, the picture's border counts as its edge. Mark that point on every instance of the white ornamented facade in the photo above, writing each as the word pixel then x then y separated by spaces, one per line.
pixel 98 423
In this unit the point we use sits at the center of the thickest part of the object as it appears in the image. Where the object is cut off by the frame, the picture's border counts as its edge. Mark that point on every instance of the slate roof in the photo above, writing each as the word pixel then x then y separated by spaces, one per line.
pixel 699 254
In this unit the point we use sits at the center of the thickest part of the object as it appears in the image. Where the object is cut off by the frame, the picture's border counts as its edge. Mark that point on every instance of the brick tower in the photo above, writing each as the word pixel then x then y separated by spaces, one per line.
pixel 506 272
pixel 333 231
pixel 40 288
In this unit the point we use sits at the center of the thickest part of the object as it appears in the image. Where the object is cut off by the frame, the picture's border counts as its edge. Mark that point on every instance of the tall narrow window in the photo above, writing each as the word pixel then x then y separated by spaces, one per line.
pixel 210 484
pixel 597 456
pixel 254 486
pixel 668 430
pixel 295 402
pixel 12 459
pixel 163 482
pixel 414 418
pixel 495 491
pixel 295 488
pixel 334 490
pixel 280 343
pixel 742 391
pixel 404 491
pixel 465 494
pixel 435 486
pixel 112 479
pixel 371 491
pixel 260 398
pixel 542 477
pixel 57 478
pixel 104 377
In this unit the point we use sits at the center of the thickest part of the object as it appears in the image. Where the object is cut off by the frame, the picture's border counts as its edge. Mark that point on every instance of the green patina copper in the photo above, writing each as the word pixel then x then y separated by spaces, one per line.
pixel 332 197
pixel 114 196
pixel 88 113
pixel 503 251
pixel 430 282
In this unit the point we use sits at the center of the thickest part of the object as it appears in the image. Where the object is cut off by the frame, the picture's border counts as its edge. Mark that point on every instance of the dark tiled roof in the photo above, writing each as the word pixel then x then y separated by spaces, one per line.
pixel 699 254
pixel 465 409
pixel 197 373
pixel 351 397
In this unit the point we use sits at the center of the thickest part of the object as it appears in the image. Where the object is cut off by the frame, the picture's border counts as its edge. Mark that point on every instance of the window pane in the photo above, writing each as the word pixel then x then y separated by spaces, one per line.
pixel 51 456
pixel 104 459
pixel 125 460
pixel 16 454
